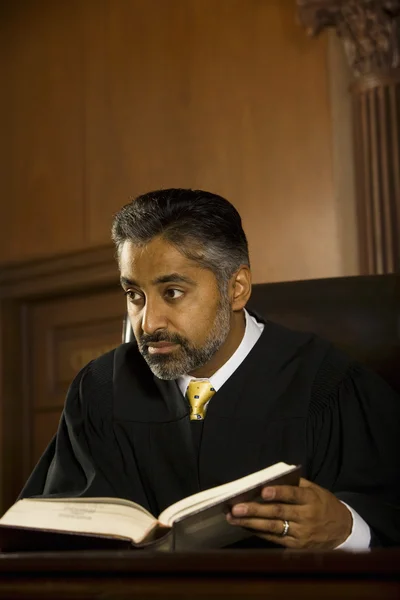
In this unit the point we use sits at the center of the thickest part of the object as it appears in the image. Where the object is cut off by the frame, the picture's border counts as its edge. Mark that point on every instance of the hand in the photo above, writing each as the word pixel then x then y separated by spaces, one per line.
pixel 317 519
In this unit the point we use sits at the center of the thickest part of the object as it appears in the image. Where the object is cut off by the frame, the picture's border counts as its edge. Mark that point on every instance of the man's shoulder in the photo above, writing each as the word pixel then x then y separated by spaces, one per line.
pixel 326 364
pixel 324 357
pixel 280 334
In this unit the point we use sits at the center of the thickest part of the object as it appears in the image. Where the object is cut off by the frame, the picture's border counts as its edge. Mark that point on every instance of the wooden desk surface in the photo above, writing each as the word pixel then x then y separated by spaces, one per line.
pixel 215 574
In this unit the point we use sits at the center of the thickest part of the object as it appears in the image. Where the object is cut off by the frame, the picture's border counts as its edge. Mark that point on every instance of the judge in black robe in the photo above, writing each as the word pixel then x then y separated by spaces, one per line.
pixel 125 430
pixel 295 398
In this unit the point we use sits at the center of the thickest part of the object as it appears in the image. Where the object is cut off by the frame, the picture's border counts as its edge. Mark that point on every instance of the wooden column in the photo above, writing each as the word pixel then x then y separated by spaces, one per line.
pixel 370 33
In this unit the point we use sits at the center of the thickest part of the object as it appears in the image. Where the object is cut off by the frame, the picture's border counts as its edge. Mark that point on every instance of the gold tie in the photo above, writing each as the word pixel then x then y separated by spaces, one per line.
pixel 198 394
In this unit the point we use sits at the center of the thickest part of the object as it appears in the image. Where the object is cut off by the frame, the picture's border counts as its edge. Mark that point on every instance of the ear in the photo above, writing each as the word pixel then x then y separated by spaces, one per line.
pixel 241 288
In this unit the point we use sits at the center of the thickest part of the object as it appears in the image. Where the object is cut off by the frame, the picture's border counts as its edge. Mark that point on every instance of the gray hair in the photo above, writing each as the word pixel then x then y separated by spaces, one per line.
pixel 205 227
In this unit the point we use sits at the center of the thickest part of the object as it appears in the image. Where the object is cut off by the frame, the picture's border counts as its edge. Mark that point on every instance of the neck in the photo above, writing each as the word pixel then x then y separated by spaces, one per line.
pixel 227 349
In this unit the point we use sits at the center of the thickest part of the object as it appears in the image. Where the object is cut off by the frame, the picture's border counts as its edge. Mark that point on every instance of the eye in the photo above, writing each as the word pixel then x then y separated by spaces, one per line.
pixel 173 294
pixel 133 296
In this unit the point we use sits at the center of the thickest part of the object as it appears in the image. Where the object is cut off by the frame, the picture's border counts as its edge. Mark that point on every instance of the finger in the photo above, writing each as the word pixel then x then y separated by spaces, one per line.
pixel 290 494
pixel 288 542
pixel 282 511
pixel 270 526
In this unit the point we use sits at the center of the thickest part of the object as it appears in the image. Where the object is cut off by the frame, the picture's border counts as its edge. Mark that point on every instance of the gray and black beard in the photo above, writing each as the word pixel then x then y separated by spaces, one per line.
pixel 187 357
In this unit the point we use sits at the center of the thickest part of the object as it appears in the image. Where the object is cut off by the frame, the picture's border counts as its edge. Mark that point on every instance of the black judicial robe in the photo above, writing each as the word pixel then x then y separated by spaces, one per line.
pixel 295 398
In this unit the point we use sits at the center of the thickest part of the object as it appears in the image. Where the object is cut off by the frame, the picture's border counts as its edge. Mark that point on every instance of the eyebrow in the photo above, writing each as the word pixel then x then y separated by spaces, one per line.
pixel 169 278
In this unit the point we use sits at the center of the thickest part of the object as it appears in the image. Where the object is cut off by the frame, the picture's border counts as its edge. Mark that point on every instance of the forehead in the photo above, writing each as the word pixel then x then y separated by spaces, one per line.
pixel 156 259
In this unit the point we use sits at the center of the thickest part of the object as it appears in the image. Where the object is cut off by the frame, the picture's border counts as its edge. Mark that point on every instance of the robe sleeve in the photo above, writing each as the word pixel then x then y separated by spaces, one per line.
pixel 353 435
pixel 72 463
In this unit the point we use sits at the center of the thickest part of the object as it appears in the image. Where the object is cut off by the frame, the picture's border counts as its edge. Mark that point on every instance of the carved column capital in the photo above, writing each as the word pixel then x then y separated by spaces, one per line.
pixel 370 30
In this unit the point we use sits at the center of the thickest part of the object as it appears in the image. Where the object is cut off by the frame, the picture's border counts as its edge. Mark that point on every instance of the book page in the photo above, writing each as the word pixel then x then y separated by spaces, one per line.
pixel 99 500
pixel 82 515
pixel 203 499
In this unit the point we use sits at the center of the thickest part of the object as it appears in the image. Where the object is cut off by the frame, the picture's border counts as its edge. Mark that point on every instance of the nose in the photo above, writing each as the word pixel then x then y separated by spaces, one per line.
pixel 154 317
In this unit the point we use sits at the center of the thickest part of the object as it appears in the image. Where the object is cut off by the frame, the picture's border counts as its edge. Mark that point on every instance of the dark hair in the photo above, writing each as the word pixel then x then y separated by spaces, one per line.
pixel 203 226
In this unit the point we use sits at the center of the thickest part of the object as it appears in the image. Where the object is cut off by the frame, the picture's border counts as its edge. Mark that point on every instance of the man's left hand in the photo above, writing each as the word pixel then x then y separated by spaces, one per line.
pixel 316 518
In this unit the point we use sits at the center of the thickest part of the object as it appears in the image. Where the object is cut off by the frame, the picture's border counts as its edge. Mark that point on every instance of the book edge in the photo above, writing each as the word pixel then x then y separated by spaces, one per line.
pixel 235 494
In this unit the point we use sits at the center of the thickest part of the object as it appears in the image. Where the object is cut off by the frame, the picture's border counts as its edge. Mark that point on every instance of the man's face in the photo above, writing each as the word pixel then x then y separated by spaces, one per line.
pixel 179 317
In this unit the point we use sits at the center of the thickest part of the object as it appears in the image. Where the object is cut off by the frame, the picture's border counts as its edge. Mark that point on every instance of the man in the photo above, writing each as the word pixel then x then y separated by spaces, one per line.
pixel 127 429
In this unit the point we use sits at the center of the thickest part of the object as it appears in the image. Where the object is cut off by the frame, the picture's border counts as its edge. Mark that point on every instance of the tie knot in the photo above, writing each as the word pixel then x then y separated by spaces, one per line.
pixel 198 394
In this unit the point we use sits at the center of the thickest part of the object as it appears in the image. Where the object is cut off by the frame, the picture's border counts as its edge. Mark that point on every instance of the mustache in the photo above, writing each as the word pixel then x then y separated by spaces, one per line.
pixel 171 338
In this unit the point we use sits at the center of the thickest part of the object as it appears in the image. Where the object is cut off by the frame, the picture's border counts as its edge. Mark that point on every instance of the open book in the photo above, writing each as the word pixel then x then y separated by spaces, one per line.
pixel 198 521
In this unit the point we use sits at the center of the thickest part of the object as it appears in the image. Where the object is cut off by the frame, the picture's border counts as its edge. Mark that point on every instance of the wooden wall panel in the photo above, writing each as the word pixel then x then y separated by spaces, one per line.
pixel 44 96
pixel 64 334
pixel 105 99
pixel 52 322
pixel 5 126
pixel 226 95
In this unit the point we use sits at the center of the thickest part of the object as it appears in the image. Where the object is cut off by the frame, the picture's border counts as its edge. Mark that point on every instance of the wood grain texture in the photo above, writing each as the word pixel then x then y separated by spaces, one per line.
pixel 44 141
pixel 64 335
pixel 202 575
pixel 51 321
pixel 14 411
pixel 111 99
pixel 227 96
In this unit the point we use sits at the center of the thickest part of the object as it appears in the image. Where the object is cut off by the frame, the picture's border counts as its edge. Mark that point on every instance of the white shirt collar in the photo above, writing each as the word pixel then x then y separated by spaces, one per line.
pixel 253 330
